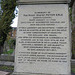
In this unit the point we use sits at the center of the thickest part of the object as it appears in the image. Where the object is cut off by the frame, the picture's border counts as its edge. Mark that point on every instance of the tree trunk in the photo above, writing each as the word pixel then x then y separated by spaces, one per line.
pixel 73 16
pixel 73 30
pixel 1 50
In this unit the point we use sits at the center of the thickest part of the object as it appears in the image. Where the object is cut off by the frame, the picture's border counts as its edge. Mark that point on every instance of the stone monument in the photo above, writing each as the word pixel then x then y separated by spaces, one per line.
pixel 43 38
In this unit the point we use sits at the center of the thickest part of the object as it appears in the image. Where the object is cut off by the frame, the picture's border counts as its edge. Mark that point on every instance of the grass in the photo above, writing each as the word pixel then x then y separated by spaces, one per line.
pixel 9 52
pixel 73 70
pixel 3 68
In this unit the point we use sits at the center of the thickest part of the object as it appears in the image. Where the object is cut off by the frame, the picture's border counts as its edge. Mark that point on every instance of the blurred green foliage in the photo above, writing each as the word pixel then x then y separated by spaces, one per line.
pixel 9 52
pixel 8 7
pixel 11 42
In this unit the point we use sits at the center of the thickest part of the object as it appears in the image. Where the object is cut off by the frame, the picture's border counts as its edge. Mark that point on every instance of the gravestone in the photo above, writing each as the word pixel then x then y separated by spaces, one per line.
pixel 43 38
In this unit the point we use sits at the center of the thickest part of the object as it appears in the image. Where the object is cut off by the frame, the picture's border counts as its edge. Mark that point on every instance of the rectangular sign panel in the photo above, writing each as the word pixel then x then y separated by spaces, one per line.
pixel 43 40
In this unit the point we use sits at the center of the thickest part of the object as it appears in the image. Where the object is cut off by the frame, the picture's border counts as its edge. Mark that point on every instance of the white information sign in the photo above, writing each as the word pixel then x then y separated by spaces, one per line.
pixel 43 40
